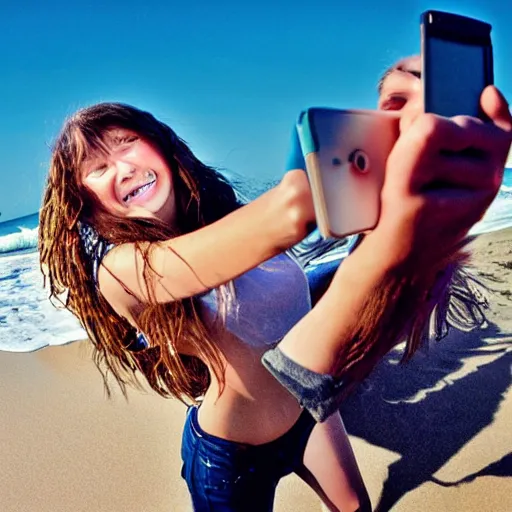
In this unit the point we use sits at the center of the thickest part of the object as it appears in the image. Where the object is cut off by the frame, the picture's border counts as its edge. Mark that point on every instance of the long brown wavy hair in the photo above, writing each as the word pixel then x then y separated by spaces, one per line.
pixel 203 196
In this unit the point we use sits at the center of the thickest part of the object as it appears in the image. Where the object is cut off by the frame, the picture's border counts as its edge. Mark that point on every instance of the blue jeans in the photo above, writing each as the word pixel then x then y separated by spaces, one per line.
pixel 224 476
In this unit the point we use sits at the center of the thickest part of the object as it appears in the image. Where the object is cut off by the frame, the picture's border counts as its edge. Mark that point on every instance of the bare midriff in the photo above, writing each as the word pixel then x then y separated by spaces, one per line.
pixel 253 407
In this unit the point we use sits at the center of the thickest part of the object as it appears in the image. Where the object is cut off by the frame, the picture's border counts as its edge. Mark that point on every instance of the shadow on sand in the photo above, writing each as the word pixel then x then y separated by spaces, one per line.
pixel 429 408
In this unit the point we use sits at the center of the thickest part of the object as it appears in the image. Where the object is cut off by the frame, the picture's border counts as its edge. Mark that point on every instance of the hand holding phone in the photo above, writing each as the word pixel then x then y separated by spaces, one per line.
pixel 346 151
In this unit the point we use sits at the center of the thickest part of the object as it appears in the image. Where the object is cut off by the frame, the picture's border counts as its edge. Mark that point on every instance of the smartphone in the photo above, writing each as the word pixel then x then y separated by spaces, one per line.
pixel 457 63
pixel 345 152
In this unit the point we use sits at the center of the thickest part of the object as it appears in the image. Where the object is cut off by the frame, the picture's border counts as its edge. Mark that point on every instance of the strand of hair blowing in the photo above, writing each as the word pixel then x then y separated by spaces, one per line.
pixel 407 299
pixel 170 326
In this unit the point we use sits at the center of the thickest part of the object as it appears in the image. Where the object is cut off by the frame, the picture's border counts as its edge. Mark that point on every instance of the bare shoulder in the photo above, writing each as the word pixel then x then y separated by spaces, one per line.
pixel 118 279
pixel 132 275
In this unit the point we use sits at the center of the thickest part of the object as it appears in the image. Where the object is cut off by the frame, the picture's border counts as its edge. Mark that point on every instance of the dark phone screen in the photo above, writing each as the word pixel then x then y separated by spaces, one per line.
pixel 455 77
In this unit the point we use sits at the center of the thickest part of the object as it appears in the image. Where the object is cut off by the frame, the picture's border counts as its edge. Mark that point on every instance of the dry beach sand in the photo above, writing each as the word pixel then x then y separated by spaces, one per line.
pixel 434 434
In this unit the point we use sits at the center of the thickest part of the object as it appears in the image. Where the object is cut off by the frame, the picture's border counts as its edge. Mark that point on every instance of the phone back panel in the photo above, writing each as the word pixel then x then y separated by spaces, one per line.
pixel 346 199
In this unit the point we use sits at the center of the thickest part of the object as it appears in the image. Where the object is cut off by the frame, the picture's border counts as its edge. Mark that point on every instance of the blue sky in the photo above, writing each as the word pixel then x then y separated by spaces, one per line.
pixel 230 77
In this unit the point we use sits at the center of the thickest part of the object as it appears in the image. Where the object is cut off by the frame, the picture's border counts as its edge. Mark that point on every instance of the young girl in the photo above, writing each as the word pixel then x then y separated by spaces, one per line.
pixel 172 277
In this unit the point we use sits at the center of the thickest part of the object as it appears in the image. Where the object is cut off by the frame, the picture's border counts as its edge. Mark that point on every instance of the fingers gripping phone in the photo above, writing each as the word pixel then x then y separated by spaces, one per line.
pixel 457 63
pixel 345 153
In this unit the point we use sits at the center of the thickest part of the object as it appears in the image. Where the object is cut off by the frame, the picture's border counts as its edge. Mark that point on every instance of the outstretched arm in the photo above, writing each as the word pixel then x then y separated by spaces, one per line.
pixel 441 177
pixel 195 262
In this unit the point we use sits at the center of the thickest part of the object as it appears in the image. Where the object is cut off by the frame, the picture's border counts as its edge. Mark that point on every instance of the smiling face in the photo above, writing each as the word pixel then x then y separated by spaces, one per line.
pixel 401 89
pixel 130 178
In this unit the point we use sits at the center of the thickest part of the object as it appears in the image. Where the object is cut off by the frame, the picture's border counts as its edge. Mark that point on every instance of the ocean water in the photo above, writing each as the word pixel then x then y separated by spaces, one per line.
pixel 28 321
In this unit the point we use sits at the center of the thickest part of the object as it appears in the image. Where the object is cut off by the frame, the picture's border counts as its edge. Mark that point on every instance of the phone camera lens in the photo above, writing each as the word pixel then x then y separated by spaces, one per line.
pixel 359 160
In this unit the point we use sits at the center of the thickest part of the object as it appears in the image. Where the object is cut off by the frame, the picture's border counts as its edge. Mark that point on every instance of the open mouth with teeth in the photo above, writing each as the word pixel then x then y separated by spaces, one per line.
pixel 141 189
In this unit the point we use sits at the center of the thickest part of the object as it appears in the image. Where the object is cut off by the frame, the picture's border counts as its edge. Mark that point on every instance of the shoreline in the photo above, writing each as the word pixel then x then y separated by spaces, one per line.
pixel 495 234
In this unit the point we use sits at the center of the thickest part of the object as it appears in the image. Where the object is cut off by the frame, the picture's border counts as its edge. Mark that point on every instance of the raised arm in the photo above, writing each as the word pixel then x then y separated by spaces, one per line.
pixel 204 259
pixel 435 190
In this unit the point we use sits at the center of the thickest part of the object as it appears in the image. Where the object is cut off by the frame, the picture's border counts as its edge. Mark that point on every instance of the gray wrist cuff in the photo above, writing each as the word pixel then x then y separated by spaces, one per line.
pixel 320 394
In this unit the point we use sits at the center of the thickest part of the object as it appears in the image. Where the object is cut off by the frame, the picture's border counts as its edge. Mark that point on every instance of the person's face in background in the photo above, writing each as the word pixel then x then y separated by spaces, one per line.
pixel 401 89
